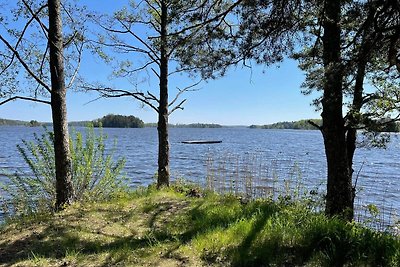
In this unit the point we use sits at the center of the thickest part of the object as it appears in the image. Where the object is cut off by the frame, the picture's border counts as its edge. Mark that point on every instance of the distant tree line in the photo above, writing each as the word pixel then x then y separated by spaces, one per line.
pixel 297 125
pixel 31 123
pixel 191 125
pixel 384 126
pixel 12 122
pixel 118 121
pixel 198 125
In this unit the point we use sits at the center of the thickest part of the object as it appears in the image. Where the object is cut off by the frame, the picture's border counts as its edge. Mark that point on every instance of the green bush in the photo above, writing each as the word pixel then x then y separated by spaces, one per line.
pixel 95 174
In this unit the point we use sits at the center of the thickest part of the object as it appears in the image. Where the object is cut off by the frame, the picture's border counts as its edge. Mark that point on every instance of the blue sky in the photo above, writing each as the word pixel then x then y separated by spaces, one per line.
pixel 243 97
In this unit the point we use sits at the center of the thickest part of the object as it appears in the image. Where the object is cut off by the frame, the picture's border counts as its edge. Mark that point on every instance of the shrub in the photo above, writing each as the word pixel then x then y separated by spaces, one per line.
pixel 95 174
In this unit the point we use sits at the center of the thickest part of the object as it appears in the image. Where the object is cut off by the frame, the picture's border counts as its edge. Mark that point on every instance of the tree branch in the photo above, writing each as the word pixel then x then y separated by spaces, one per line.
pixel 108 92
pixel 21 37
pixel 179 106
pixel 35 16
pixel 181 91
pixel 79 50
pixel 25 98
pixel 42 65
pixel 315 125
pixel 23 63
pixel 153 8
pixel 203 23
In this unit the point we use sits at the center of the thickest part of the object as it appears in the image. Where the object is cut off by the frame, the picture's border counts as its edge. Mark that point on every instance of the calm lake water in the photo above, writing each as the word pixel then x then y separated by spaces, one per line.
pixel 268 154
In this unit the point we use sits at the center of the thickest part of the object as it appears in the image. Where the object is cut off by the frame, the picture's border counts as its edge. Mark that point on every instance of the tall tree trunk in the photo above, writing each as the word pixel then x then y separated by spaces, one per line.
pixel 64 189
pixel 339 185
pixel 354 115
pixel 163 143
pixel 354 120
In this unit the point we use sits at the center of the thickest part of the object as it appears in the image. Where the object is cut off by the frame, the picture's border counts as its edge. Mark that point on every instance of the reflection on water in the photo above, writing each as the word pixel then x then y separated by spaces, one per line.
pixel 277 152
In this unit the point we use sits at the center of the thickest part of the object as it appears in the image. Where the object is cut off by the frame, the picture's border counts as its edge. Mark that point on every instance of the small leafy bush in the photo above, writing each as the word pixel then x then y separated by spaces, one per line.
pixel 95 174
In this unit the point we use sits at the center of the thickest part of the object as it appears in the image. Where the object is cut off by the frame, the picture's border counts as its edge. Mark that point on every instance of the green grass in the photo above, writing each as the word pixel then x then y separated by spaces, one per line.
pixel 167 228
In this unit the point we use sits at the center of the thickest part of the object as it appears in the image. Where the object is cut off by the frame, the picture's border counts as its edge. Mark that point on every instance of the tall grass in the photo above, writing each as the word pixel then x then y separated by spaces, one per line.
pixel 95 174
pixel 251 176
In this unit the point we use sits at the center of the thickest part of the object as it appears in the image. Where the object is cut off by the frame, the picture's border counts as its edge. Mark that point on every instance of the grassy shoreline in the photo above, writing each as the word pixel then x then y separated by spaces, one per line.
pixel 183 226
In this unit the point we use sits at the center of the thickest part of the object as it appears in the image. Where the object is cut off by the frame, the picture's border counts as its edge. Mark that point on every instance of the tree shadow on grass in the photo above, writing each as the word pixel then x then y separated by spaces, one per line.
pixel 66 233
pixel 323 242
pixel 164 234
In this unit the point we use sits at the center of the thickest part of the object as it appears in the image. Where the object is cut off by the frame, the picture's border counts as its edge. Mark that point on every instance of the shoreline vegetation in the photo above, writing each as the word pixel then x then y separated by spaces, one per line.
pixel 295 125
pixel 311 124
pixel 120 121
pixel 109 121
pixel 186 226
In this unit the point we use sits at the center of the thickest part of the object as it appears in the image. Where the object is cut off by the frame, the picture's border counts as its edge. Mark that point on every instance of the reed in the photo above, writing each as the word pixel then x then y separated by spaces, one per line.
pixel 251 176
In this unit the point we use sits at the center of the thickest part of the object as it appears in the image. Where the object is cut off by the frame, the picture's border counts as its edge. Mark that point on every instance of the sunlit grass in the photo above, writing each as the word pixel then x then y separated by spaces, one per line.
pixel 168 228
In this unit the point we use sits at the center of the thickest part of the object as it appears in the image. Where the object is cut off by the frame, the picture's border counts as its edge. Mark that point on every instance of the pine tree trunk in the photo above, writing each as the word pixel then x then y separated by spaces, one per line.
pixel 354 118
pixel 339 186
pixel 354 115
pixel 64 189
pixel 163 143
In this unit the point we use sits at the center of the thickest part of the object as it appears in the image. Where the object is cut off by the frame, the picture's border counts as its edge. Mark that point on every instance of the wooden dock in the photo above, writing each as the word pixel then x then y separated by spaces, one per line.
pixel 202 142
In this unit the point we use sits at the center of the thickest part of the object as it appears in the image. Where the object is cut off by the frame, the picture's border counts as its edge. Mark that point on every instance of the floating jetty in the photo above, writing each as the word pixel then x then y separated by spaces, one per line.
pixel 202 142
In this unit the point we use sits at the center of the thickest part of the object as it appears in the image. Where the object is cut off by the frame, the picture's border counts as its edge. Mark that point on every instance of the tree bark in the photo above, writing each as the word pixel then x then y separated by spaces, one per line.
pixel 339 185
pixel 354 119
pixel 163 143
pixel 64 189
pixel 354 116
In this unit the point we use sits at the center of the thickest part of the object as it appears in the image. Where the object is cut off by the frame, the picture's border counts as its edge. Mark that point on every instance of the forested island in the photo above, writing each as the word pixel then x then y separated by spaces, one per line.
pixel 118 121
pixel 297 125
pixel 312 124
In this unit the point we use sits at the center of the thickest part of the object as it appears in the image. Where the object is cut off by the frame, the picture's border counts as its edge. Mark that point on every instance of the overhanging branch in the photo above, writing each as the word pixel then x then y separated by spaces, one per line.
pixel 181 91
pixel 315 125
pixel 107 92
pixel 23 63
pixel 179 106
pixel 25 98
pixel 35 16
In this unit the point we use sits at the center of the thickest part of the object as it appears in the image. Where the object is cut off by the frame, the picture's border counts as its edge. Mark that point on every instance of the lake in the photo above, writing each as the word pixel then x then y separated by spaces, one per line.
pixel 269 156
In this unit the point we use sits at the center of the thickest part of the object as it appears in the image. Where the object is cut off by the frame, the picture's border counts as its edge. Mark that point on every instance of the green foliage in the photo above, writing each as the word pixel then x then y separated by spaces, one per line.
pixel 364 53
pixel 291 235
pixel 168 227
pixel 34 123
pixel 198 125
pixel 18 77
pixel 301 124
pixel 224 231
pixel 119 121
pixel 18 123
pixel 190 125
pixel 95 174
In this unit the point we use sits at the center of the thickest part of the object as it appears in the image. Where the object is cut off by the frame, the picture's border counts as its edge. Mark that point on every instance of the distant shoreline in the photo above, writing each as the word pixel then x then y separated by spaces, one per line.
pixel 137 123
pixel 7 122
